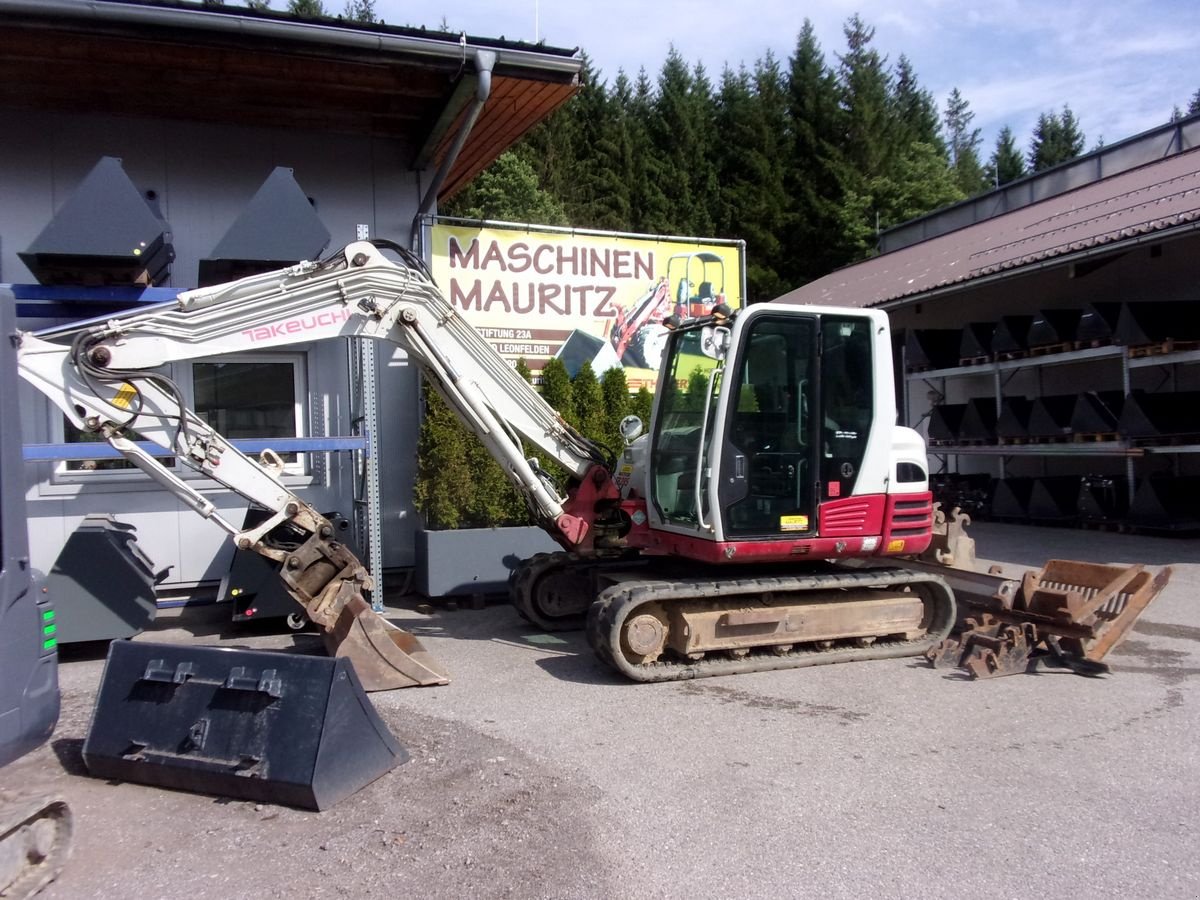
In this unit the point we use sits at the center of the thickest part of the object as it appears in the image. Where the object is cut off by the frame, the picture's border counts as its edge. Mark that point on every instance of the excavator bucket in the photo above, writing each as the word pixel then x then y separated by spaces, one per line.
pixel 1068 614
pixel 385 657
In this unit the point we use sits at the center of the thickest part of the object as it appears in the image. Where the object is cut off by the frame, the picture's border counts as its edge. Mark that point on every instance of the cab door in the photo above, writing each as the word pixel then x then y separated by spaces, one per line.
pixel 768 469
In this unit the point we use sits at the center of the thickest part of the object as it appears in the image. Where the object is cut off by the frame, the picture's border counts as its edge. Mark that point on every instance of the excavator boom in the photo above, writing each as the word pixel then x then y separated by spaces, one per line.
pixel 102 375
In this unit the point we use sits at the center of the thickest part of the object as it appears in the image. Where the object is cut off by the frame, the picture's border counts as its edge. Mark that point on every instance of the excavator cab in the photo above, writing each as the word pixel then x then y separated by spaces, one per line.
pixel 767 426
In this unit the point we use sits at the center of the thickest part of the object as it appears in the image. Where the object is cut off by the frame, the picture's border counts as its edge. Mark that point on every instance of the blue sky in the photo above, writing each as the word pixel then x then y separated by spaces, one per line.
pixel 1121 66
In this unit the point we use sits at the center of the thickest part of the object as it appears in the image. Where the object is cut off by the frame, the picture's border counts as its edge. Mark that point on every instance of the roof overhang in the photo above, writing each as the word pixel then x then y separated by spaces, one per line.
pixel 1152 203
pixel 177 60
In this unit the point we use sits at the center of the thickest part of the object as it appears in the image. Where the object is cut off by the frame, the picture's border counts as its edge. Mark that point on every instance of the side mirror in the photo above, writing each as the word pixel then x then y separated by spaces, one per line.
pixel 714 341
pixel 631 428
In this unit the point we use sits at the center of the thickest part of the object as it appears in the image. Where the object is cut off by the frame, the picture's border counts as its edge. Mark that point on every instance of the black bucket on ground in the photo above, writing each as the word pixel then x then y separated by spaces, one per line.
pixel 103 583
pixel 280 728
pixel 1010 500
pixel 1054 498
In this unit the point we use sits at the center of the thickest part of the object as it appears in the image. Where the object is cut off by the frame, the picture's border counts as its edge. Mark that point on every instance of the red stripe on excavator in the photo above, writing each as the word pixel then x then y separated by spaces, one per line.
pixel 905 528
pixel 851 516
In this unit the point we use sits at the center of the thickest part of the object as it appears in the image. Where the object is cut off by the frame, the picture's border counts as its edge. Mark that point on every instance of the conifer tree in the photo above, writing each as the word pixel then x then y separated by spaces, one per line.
pixel 642 405
pixel 309 9
pixel 588 403
pixel 361 11
pixel 614 389
pixel 963 145
pixel 749 158
pixel 1007 163
pixel 915 109
pixel 599 195
pixel 444 486
pixel 507 190
pixel 1056 139
pixel 556 390
pixel 865 86
pixel 1194 103
pixel 651 206
pixel 815 179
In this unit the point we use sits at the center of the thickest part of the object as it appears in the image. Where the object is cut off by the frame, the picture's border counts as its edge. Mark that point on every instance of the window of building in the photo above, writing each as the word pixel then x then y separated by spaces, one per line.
pixel 240 395
pixel 245 396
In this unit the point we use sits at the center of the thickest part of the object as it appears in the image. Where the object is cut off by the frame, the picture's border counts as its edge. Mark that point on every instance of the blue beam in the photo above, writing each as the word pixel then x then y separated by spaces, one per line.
pixel 100 450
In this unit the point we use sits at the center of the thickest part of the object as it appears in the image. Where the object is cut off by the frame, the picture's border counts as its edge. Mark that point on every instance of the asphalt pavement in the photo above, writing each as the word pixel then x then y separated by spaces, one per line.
pixel 538 773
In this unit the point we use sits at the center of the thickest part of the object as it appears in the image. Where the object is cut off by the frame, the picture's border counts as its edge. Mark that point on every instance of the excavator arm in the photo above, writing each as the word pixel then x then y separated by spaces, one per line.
pixel 102 375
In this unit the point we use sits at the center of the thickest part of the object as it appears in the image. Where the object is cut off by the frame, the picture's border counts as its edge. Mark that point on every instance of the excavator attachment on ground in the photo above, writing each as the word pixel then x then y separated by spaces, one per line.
pixel 385 657
pixel 1068 615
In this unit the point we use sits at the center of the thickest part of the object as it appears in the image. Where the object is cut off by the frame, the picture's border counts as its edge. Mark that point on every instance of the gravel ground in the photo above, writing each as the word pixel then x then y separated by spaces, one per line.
pixel 536 773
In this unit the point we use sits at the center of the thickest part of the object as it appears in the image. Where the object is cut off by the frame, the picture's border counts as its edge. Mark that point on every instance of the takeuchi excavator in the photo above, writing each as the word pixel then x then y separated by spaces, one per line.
pixel 711 544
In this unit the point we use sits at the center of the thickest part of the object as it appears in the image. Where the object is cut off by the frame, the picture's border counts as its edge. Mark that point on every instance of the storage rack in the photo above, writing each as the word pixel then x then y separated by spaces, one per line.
pixel 999 368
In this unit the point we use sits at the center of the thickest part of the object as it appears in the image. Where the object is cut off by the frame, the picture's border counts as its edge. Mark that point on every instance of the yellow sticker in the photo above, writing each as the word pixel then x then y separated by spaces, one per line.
pixel 895 546
pixel 124 396
pixel 626 469
pixel 793 523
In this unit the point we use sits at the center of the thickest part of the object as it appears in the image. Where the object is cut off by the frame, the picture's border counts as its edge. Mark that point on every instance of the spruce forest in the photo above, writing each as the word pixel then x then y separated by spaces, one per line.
pixel 806 160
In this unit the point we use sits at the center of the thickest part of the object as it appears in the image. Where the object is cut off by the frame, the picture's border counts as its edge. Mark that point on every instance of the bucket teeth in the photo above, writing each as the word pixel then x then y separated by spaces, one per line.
pixel 385 657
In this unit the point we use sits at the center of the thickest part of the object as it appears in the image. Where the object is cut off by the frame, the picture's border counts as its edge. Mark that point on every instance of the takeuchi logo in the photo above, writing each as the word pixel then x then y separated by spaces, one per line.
pixel 298 325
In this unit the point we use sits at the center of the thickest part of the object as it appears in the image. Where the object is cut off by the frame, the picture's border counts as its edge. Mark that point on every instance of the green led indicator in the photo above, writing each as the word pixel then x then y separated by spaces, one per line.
pixel 49 630
pixel 48 616
pixel 50 644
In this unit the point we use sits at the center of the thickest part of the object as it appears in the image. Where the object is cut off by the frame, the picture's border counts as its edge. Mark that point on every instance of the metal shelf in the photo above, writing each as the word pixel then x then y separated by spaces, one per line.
pixel 1179 357
pixel 1091 448
pixel 1049 359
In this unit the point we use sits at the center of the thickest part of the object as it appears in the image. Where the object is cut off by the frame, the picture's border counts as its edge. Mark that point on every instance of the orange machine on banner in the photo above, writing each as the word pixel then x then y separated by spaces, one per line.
pixel 581 296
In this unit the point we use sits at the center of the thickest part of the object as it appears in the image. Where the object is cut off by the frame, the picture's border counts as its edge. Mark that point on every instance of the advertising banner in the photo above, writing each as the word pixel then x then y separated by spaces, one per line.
pixel 544 293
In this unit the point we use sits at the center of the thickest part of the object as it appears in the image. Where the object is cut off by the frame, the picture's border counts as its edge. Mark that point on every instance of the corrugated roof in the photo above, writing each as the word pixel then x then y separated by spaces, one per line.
pixel 1155 198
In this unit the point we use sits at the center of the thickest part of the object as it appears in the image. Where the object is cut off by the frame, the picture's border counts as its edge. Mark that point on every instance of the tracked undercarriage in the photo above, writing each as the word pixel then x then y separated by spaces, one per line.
pixel 663 621
pixel 35 840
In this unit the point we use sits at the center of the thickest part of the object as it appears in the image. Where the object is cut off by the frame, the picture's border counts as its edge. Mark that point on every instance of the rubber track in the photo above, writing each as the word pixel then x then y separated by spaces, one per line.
pixel 612 608
pixel 521 592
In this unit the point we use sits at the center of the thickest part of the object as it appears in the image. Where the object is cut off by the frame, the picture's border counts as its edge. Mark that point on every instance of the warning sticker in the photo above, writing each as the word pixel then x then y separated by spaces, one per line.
pixel 124 396
pixel 895 546
pixel 793 523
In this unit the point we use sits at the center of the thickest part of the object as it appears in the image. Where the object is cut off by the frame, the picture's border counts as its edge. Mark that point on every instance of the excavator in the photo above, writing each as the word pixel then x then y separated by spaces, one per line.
pixel 716 542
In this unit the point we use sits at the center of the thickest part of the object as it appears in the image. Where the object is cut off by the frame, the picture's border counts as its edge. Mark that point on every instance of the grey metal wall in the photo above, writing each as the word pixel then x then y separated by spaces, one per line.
pixel 203 175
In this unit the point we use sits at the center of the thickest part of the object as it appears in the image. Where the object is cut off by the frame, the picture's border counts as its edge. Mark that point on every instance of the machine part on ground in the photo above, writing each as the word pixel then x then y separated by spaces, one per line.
pixel 273 727
pixel 35 840
pixel 659 630
pixel 1068 614
pixel 385 657
pixel 951 546
pixel 103 583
